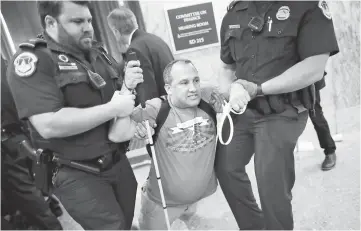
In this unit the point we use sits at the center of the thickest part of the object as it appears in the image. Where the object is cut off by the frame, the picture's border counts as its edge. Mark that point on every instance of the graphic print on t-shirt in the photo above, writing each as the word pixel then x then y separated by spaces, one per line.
pixel 190 135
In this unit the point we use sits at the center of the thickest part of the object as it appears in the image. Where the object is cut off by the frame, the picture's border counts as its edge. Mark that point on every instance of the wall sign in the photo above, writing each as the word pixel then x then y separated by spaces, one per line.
pixel 192 27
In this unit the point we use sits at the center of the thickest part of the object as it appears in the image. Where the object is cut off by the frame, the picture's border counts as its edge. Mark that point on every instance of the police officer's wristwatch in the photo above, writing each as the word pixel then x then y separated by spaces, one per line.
pixel 259 90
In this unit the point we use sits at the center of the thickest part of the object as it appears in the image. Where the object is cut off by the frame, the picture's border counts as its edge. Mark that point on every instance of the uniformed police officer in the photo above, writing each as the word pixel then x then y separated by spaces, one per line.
pixel 67 87
pixel 277 49
pixel 17 186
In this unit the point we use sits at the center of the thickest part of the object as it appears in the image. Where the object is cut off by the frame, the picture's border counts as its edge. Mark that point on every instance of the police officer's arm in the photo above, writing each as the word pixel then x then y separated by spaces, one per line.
pixel 228 66
pixel 315 42
pixel 225 54
pixel 39 99
pixel 123 129
pixel 301 75
pixel 71 121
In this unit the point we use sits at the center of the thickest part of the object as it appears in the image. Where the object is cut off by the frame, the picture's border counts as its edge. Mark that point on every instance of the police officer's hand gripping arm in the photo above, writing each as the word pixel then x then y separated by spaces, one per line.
pixel 128 127
pixel 70 121
pixel 301 75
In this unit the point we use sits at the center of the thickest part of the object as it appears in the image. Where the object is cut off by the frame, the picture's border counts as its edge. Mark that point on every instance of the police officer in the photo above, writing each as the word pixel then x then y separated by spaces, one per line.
pixel 70 90
pixel 17 186
pixel 323 131
pixel 277 50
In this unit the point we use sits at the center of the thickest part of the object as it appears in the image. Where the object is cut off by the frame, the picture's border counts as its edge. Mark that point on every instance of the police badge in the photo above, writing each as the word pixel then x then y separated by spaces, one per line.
pixel 283 13
pixel 25 64
pixel 325 9
pixel 63 58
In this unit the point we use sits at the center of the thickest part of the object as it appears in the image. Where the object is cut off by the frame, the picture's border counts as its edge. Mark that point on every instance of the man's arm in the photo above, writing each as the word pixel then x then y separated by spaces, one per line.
pixel 123 129
pixel 301 75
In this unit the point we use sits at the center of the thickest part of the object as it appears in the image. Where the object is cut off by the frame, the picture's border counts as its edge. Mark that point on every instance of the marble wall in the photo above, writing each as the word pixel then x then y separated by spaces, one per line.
pixel 345 66
pixel 343 81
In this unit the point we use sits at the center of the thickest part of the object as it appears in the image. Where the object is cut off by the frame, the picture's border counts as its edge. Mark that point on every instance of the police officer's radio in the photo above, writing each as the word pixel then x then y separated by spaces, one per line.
pixel 96 80
pixel 256 23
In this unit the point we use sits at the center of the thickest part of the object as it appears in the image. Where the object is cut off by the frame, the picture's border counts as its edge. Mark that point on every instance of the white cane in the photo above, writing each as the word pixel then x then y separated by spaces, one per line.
pixel 140 94
pixel 150 139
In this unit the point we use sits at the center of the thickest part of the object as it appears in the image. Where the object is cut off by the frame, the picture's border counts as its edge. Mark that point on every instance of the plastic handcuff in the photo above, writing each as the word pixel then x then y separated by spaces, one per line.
pixel 227 109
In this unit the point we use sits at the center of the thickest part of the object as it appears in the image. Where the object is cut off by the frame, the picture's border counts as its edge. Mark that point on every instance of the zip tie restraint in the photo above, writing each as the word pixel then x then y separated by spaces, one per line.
pixel 227 109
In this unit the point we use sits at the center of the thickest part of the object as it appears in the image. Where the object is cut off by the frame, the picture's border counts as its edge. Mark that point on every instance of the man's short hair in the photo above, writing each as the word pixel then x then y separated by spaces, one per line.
pixel 168 78
pixel 123 19
pixel 53 8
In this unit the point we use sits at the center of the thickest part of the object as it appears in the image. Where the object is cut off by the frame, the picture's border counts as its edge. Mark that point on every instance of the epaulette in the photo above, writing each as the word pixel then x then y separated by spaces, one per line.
pixel 32 43
pixel 232 4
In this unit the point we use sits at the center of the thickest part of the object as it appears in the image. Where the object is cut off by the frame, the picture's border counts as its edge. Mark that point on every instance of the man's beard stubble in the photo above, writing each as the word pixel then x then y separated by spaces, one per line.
pixel 66 39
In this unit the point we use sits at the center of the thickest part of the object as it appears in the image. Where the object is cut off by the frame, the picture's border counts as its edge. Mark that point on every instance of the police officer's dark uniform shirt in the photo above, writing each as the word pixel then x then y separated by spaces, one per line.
pixel 45 76
pixel 292 32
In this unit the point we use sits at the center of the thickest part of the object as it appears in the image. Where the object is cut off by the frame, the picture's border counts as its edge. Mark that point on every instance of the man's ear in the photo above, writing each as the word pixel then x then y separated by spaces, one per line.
pixel 168 89
pixel 50 22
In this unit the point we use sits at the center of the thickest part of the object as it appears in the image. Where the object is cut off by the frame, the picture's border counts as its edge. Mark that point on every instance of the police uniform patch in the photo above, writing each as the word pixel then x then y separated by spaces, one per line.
pixel 325 9
pixel 234 26
pixel 25 64
pixel 63 58
pixel 67 66
pixel 283 13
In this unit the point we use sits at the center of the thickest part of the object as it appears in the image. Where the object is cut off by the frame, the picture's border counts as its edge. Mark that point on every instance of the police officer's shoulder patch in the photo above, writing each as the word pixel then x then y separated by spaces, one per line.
pixel 25 64
pixel 322 4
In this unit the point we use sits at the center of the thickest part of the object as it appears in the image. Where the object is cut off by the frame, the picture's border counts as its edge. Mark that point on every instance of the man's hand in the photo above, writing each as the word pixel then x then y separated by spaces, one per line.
pixel 250 87
pixel 217 101
pixel 141 130
pixel 133 74
pixel 122 104
pixel 239 97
